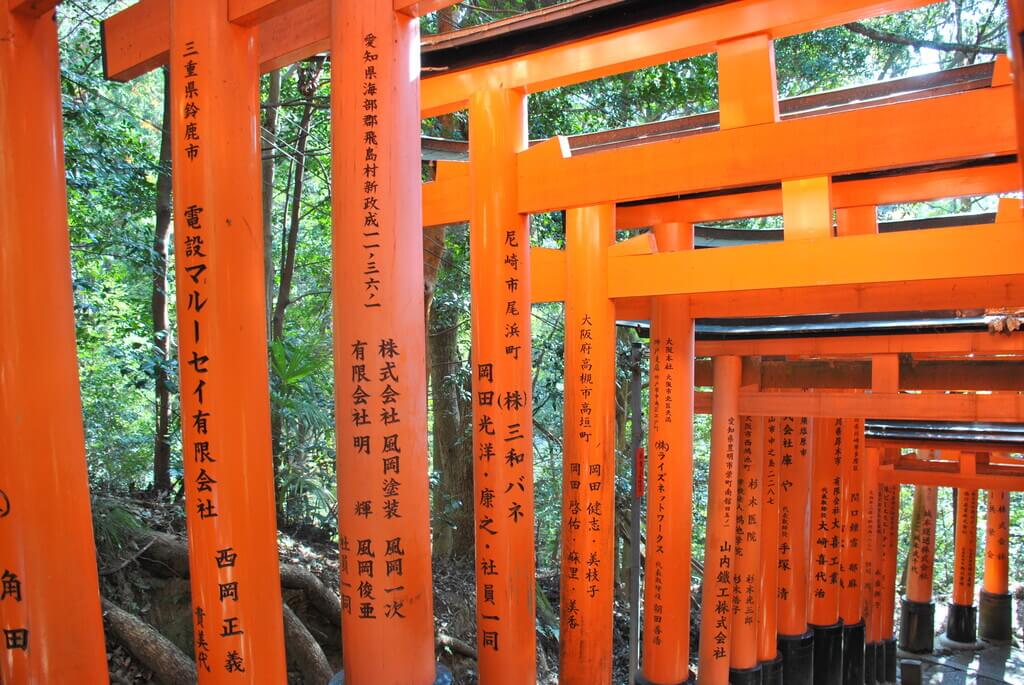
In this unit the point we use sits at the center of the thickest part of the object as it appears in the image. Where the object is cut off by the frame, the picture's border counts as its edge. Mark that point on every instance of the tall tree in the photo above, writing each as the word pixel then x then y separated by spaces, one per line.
pixel 161 328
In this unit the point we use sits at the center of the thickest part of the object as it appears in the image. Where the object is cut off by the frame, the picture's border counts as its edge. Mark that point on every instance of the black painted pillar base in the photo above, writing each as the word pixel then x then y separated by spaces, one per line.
pixel 917 627
pixel 444 677
pixel 891 662
pixel 797 653
pixel 853 654
pixel 870 657
pixel 828 654
pixel 691 678
pixel 745 676
pixel 961 627
pixel 995 617
pixel 771 672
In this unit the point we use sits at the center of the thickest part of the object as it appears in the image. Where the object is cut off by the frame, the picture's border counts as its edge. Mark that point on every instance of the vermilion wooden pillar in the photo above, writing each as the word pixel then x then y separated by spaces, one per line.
pixel 50 625
pixel 225 401
pixel 825 552
pixel 746 600
pixel 502 393
pixel 917 624
pixel 719 560
pixel 666 648
pixel 871 580
pixel 767 631
pixel 851 612
pixel 961 625
pixel 795 642
pixel 387 616
pixel 885 377
pixel 588 494
pixel 995 606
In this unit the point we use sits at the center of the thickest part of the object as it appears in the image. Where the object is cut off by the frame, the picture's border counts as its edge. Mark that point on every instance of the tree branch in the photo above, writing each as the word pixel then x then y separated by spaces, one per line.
pixel 889 37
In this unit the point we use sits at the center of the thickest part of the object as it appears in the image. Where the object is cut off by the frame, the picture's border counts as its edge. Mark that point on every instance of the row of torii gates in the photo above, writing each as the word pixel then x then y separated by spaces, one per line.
pixel 800 562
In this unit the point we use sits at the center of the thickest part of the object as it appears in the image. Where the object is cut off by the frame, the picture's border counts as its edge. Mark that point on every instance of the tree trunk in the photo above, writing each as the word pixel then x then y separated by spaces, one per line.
pixel 304 651
pixel 161 328
pixel 170 666
pixel 453 502
pixel 284 291
pixel 269 145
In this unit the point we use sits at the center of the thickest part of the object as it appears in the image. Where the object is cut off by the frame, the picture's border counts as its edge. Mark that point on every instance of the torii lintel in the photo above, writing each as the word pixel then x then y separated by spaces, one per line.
pixel 290 29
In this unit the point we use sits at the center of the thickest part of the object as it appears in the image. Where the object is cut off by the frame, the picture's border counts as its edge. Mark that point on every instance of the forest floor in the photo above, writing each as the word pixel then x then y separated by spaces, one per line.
pixel 144 572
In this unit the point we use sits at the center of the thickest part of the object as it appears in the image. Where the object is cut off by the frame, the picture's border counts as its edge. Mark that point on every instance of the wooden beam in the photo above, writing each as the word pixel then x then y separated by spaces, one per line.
pixel 952 344
pixel 252 12
pixel 675 38
pixel 914 375
pixel 962 126
pixel 877 405
pixel 33 8
pixel 946 253
pixel 136 40
pixel 918 444
pixel 446 199
pixel 304 31
pixel 906 476
pixel 920 187
pixel 419 8
pixel 946 263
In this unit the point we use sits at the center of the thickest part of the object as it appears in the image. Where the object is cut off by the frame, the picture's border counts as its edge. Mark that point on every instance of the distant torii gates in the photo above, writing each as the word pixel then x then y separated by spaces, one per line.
pixel 817 595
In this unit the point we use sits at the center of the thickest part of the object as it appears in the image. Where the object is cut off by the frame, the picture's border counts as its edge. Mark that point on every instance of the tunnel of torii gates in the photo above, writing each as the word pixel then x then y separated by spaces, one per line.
pixel 801 559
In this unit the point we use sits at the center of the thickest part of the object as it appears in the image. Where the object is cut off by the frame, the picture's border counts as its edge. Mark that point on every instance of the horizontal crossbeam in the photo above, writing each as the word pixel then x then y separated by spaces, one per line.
pixel 925 375
pixel 962 126
pixel 967 408
pixel 136 41
pixel 32 8
pixel 933 344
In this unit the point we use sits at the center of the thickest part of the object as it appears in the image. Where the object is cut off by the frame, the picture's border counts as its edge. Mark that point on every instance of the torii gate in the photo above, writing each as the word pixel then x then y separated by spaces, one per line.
pixel 216 50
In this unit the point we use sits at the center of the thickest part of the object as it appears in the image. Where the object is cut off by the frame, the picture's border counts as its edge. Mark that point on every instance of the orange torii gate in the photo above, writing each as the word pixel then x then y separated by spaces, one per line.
pixel 216 50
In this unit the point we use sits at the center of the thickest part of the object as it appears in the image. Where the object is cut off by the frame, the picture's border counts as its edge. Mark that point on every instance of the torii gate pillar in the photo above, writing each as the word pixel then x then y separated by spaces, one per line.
pixel 50 625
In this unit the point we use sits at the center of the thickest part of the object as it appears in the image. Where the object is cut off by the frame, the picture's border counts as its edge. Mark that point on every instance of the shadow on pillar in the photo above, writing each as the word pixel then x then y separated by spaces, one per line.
pixel 828 654
pixel 690 680
pixel 961 630
pixel 917 627
pixel 853 654
pixel 771 672
pixel 444 677
pixel 797 654
pixel 745 676
pixel 995 617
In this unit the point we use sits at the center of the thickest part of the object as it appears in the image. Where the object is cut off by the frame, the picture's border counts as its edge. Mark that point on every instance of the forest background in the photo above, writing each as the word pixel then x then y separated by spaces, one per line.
pixel 121 229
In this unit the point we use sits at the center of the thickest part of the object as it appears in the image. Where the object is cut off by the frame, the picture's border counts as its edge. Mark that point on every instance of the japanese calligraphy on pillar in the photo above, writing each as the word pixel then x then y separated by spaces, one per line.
pixel 201 436
pixel 967 540
pixel 722 564
pixel 15 631
pixel 586 499
pixel 827 512
pixel 502 439
pixel 372 167
pixel 997 532
pixel 922 541
pixel 749 494
pixel 662 367
pixel 793 437
pixel 853 489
